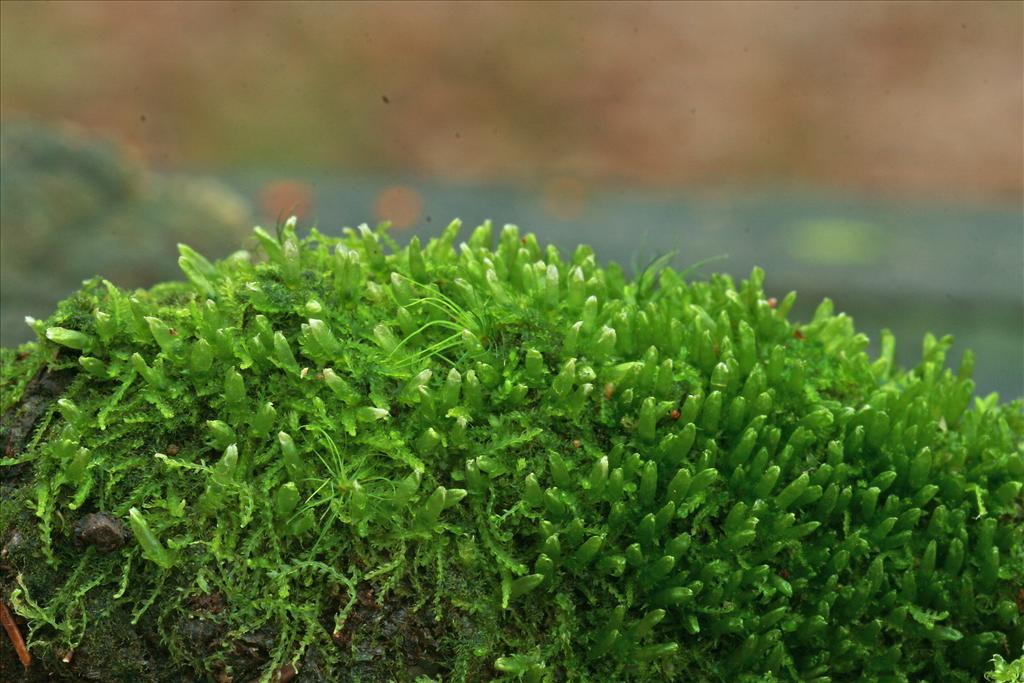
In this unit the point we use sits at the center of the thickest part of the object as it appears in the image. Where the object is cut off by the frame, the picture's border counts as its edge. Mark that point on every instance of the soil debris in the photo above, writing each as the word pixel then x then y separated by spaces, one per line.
pixel 101 530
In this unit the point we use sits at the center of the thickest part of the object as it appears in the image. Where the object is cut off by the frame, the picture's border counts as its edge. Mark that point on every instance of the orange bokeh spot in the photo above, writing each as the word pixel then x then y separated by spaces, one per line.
pixel 400 205
pixel 281 199
pixel 565 198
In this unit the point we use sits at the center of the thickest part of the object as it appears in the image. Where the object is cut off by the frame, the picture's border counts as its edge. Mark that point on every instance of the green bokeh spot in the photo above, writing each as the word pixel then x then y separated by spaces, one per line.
pixel 836 241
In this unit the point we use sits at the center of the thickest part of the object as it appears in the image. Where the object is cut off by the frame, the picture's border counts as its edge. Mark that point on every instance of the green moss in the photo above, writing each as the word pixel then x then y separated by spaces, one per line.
pixel 1006 672
pixel 480 462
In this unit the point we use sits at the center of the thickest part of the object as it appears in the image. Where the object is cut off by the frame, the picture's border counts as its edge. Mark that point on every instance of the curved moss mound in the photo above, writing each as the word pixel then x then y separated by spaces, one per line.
pixel 351 461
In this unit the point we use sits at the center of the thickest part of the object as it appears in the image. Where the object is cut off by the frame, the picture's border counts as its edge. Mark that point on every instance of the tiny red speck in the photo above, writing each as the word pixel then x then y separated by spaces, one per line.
pixel 772 302
pixel 797 334
pixel 675 413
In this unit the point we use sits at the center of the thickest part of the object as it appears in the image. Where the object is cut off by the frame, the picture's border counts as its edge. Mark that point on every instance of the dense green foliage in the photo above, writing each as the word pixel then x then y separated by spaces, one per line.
pixel 1006 672
pixel 573 476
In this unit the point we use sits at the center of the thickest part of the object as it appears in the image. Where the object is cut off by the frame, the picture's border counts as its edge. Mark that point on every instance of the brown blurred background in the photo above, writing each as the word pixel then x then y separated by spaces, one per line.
pixel 902 98
pixel 867 151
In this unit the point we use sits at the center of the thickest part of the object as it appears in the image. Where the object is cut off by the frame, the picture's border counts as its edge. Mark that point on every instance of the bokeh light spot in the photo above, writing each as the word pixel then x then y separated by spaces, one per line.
pixel 837 242
pixel 281 199
pixel 565 198
pixel 399 204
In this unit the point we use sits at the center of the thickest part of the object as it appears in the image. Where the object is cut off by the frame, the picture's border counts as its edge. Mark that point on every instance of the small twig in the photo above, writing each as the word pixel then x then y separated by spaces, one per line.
pixel 14 635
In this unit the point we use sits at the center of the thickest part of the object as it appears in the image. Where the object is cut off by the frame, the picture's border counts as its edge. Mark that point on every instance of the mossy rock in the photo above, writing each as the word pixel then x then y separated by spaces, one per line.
pixel 350 461
pixel 73 206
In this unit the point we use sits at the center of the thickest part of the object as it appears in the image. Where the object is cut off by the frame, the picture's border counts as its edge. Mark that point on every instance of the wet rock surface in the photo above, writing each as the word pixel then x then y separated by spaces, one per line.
pixel 15 541
pixel 18 422
pixel 374 627
pixel 103 531
pixel 312 670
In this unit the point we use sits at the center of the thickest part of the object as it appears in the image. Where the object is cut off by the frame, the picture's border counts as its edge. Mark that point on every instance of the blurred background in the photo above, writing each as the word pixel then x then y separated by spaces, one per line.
pixel 869 152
